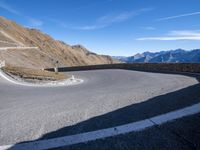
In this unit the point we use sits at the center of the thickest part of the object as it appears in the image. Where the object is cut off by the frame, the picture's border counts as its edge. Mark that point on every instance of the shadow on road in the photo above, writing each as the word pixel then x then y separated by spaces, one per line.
pixel 152 107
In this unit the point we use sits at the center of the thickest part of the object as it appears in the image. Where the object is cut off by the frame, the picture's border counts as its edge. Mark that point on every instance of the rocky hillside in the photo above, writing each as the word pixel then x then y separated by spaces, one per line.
pixel 31 48
pixel 174 56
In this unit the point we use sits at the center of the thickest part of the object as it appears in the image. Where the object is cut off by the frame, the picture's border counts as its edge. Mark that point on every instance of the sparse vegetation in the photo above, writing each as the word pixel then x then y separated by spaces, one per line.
pixel 27 73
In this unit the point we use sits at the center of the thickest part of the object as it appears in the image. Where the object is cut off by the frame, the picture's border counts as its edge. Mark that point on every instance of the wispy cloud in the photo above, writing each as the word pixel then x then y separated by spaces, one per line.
pixel 70 26
pixel 32 22
pixel 111 19
pixel 92 5
pixel 92 27
pixel 7 7
pixel 35 22
pixel 103 21
pixel 196 25
pixel 59 23
pixel 148 28
pixel 179 16
pixel 176 35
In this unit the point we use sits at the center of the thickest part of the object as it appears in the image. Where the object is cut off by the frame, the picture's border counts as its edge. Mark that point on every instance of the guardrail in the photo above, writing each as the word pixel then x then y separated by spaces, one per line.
pixel 152 67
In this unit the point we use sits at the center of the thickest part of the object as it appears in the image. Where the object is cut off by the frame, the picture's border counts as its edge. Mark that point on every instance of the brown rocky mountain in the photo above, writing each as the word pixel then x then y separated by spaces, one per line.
pixel 31 48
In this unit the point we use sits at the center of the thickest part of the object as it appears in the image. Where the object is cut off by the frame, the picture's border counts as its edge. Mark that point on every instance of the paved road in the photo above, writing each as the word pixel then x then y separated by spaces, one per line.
pixel 182 134
pixel 106 98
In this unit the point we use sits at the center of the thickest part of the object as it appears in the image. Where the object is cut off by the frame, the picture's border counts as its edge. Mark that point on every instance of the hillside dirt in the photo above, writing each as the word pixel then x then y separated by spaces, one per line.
pixel 46 51
pixel 34 74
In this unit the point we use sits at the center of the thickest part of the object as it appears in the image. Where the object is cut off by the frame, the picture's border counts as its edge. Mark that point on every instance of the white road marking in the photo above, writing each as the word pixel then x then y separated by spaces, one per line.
pixel 158 120
pixel 104 133
pixel 66 82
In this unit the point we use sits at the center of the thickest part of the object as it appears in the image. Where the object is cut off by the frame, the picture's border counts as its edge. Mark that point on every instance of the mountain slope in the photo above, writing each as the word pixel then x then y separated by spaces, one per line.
pixel 178 55
pixel 31 48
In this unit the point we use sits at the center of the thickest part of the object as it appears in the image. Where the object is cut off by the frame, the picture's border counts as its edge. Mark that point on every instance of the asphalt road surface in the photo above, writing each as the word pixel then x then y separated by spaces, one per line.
pixel 106 98
pixel 181 134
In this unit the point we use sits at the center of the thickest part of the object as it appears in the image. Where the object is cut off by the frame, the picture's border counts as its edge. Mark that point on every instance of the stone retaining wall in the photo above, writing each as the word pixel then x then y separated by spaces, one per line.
pixel 153 67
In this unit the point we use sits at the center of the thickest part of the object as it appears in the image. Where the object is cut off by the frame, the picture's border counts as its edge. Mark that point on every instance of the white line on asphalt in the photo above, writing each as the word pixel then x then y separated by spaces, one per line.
pixel 104 133
pixel 67 82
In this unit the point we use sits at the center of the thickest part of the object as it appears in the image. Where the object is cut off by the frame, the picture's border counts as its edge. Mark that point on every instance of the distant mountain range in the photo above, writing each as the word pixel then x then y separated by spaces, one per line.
pixel 173 56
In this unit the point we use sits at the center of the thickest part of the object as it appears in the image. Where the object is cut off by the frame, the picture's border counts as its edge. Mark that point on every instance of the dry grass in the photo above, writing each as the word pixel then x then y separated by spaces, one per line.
pixel 28 73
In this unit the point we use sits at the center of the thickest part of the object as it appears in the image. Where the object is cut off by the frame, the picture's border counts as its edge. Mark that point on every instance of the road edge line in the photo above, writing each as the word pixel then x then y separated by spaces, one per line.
pixel 104 133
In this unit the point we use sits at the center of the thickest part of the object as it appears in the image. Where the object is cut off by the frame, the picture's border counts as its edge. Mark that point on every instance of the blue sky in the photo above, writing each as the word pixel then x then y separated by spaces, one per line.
pixel 113 27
